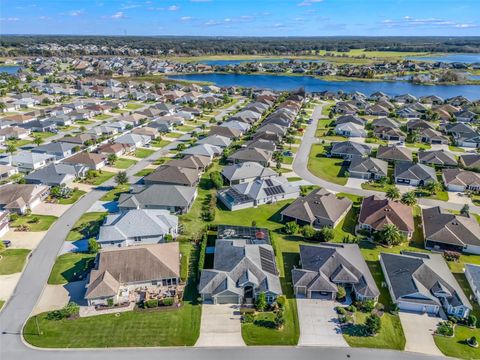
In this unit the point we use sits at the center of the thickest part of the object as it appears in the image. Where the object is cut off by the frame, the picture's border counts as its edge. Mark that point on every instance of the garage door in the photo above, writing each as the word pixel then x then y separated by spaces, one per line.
pixel 406 306
pixel 227 299
pixel 321 295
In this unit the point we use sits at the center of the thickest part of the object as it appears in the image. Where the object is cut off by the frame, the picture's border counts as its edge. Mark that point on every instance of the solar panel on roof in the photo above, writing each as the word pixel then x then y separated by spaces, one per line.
pixel 269 182
pixel 274 190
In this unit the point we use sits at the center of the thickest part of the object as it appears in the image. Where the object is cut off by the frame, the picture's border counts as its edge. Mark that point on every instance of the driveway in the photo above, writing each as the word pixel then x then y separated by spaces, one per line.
pixel 355 183
pixel 418 329
pixel 319 323
pixel 220 326
pixel 24 239
pixel 45 208
pixel 57 296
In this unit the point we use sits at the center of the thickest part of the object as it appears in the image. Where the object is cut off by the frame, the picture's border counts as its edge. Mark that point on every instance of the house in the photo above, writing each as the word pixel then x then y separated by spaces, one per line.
pixel 320 208
pixel 458 130
pixel 327 266
pixel 417 125
pixel 260 156
pixel 116 149
pixel 197 162
pixel 147 131
pixel 465 116
pixel 203 150
pixel 4 222
pixel 215 140
pixel 14 132
pixel 349 149
pixel 40 126
pixel 375 213
pixel 90 160
pixel 80 139
pixel 461 180
pixel 174 198
pixel 224 131
pixel 394 153
pixel 350 119
pixel 119 271
pixel 20 198
pixel 258 192
pixel 251 234
pixel 446 231
pixel 133 140
pixel 368 168
pixel 261 144
pixel 350 130
pixel 422 282
pixel 389 133
pixel 56 174
pixel 414 174
pixel 173 175
pixel 440 158
pixel 6 171
pixel 431 136
pixel 470 140
pixel 246 172
pixel 472 273
pixel 58 149
pixel 27 160
pixel 241 271
pixel 137 227
pixel 470 161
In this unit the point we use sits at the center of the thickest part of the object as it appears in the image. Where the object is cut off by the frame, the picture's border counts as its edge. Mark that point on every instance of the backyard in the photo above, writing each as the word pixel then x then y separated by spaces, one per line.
pixel 34 222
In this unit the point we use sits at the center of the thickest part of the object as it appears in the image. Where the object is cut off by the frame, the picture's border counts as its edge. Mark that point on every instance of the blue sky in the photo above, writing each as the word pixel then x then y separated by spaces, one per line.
pixel 241 17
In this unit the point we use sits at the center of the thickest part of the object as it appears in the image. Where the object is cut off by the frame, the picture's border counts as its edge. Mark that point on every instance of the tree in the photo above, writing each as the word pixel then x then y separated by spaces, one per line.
pixel 373 323
pixel 389 235
pixel 93 246
pixel 291 228
pixel 38 140
pixel 308 231
pixel 11 148
pixel 121 178
pixel 279 319
pixel 181 147
pixel 433 187
pixel 465 211
pixel 341 293
pixel 112 159
pixel 409 198
pixel 392 193
pixel 261 303
pixel 216 179
pixel 327 234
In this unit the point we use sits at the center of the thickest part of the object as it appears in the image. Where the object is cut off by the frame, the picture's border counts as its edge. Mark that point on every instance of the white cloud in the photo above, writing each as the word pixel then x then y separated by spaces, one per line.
pixel 119 15
pixel 408 22
pixel 212 23
pixel 76 13
pixel 186 18
pixel 11 18
pixel 309 2
pixel 173 8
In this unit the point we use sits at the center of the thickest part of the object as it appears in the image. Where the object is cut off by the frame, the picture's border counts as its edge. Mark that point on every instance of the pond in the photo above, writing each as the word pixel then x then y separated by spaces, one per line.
pixel 311 84
pixel 9 69
pixel 449 58
pixel 243 61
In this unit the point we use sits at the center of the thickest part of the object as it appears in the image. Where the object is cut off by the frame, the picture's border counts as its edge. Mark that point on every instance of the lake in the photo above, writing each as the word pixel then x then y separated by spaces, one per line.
pixel 449 58
pixel 9 69
pixel 243 61
pixel 311 84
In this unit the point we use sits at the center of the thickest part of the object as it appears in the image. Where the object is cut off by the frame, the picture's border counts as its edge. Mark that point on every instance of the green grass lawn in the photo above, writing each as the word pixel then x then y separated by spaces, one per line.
pixel 457 346
pixel 143 153
pixel 173 135
pixel 86 226
pixel 329 169
pixel 419 146
pixel 84 122
pixel 42 134
pixel 76 194
pixel 133 106
pixel 294 178
pixel 287 160
pixel 100 179
pixel 124 163
pixel 71 267
pixel 159 143
pixel 387 338
pixel 35 222
pixel 184 128
pixel 346 227
pixel 375 186
pixel 455 148
pixel 144 172
pixel 2 302
pixel 102 117
pixel 114 194
pixel 12 260
pixel 18 142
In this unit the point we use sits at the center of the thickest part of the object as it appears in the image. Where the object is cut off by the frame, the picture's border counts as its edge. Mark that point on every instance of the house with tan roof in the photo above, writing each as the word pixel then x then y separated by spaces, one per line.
pixel 375 213
pixel 92 161
pixel 22 197
pixel 461 180
pixel 121 274
pixel 172 175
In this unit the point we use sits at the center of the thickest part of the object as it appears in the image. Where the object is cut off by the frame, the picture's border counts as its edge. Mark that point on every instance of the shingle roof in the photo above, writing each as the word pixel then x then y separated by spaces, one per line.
pixel 157 195
pixel 378 212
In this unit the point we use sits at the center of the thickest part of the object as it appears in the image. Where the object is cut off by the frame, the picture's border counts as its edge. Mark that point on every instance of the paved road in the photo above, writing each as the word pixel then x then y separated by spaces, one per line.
pixel 300 167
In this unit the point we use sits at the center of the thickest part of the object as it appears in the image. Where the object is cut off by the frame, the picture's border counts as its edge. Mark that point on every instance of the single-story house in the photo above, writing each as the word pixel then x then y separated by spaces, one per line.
pixel 414 174
pixel 56 174
pixel 173 175
pixel 60 150
pixel 20 198
pixel 461 180
pixel 246 172
pixel 472 273
pixel 92 161
pixel 368 168
pixel 349 149
pixel 394 153
pixel 440 158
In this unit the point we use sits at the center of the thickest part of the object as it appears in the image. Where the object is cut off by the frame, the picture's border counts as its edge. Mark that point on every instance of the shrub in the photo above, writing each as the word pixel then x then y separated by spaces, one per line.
pixel 281 300
pixel 216 179
pixel 168 238
pixel 167 301
pixel 451 255
pixel 472 321
pixel 327 234
pixel 67 311
pixel 308 232
pixel 352 308
pixel 34 220
pixel 472 341
pixel 248 318
pixel 394 308
pixel 110 302
pixel 379 307
pixel 291 228
pixel 279 320
pixel 367 305
pixel 261 303
pixel 445 328
pixel 152 303
pixel 14 216
pixel 373 324
pixel 341 310
pixel 341 293
pixel 93 246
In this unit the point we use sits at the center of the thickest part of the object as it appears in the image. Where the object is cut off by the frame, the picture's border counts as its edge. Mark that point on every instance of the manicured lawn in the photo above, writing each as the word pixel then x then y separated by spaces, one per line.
pixel 12 260
pixel 42 135
pixel 173 135
pixel 123 163
pixel 101 178
pixel 294 178
pixel 419 146
pixel 86 226
pixel 144 172
pixel 322 127
pixel 455 148
pixel 375 186
pixel 346 227
pixel 133 106
pixel 184 128
pixel 329 169
pixel 159 143
pixel 71 267
pixel 18 142
pixel 287 160
pixel 143 153
pixel 76 194
pixel 387 338
pixel 102 117
pixel 35 222
pixel 114 194
pixel 84 122
pixel 2 302
pixel 457 346
pixel 139 328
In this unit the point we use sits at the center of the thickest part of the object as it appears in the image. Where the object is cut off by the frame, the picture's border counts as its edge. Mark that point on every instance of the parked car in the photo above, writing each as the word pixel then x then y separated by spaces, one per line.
pixel 7 243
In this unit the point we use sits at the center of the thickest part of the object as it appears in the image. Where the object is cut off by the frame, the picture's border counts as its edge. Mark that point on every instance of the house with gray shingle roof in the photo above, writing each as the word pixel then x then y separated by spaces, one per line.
pixel 394 153
pixel 319 208
pixel 246 172
pixel 326 266
pixel 174 198
pixel 446 231
pixel 422 282
pixel 56 174
pixel 414 174
pixel 470 161
pixel 472 273
pixel 241 271
pixel 260 156
pixel 461 180
pixel 439 158
pixel 349 149
pixel 216 140
pixel 368 168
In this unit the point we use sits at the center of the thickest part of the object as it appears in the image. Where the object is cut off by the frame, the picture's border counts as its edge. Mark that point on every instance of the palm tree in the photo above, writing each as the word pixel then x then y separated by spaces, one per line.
pixel 392 193
pixel 112 158
pixel 390 235
pixel 409 198
pixel 37 140
pixel 433 187
pixel 121 178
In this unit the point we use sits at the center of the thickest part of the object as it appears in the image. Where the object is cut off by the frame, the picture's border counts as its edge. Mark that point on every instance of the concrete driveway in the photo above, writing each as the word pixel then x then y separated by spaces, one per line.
pixel 355 183
pixel 220 326
pixel 319 323
pixel 45 208
pixel 418 329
